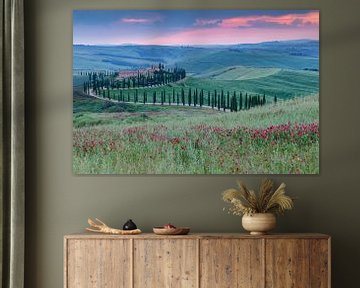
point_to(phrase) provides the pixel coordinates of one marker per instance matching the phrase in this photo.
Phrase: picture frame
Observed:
(154, 100)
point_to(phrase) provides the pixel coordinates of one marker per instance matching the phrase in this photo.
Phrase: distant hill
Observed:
(299, 54)
(308, 48)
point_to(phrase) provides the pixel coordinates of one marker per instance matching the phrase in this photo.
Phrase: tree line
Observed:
(136, 79)
(217, 99)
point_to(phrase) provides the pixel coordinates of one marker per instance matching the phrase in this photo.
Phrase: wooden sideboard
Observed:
(197, 260)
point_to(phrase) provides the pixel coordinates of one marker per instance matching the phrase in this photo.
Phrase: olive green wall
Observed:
(59, 202)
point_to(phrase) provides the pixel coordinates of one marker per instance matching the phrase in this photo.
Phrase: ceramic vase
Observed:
(259, 223)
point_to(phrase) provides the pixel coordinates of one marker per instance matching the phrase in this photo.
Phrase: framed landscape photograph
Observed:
(196, 92)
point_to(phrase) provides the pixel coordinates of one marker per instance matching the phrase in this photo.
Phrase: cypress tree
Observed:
(177, 98)
(209, 100)
(235, 102)
(154, 97)
(240, 102)
(224, 103)
(264, 100)
(275, 99)
(189, 97)
(94, 79)
(200, 98)
(215, 99)
(222, 99)
(183, 96)
(246, 101)
(195, 97)
(228, 99)
(219, 100)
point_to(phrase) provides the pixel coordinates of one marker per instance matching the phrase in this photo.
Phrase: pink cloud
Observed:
(135, 20)
(311, 18)
(145, 20)
(205, 22)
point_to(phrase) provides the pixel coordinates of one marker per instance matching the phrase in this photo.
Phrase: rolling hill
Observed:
(286, 54)
(283, 68)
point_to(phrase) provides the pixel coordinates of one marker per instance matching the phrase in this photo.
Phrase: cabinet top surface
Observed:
(87, 235)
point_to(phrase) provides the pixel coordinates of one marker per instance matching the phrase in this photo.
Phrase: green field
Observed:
(284, 83)
(279, 138)
(240, 73)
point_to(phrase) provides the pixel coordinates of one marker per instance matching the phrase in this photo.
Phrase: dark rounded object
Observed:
(129, 225)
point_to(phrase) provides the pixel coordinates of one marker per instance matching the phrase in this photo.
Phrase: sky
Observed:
(192, 27)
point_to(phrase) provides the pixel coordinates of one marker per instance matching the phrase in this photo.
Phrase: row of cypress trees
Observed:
(234, 101)
(160, 76)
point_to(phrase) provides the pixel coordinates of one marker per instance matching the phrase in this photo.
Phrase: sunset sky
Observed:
(192, 27)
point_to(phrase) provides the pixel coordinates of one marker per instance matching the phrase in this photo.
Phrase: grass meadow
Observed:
(121, 138)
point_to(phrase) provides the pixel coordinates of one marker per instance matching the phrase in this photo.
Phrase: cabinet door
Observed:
(320, 263)
(165, 263)
(287, 263)
(98, 263)
(231, 263)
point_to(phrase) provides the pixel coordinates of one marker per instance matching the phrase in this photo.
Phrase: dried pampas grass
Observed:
(245, 201)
